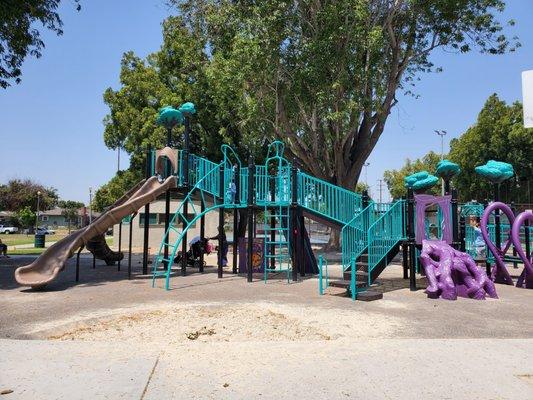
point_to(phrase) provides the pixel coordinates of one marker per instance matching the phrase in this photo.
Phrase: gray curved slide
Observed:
(46, 268)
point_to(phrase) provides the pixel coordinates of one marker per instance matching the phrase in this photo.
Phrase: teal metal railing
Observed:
(324, 198)
(323, 274)
(385, 233)
(354, 235)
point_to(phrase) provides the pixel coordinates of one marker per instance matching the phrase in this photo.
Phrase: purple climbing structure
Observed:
(451, 273)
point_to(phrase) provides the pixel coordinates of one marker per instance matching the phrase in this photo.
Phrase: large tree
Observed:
(18, 194)
(498, 134)
(20, 35)
(70, 210)
(323, 75)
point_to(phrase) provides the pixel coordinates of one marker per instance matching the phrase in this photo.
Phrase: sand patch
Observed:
(223, 322)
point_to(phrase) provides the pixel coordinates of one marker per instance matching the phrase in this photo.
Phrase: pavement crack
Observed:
(150, 376)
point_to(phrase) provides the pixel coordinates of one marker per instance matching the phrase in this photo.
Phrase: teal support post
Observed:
(221, 235)
(146, 214)
(295, 234)
(353, 284)
(411, 238)
(237, 176)
(251, 199)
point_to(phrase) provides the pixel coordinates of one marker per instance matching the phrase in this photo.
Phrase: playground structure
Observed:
(277, 196)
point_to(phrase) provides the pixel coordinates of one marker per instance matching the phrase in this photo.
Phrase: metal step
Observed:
(360, 276)
(345, 284)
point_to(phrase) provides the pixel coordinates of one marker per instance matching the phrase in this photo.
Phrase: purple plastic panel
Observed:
(527, 274)
(423, 201)
(499, 273)
(451, 273)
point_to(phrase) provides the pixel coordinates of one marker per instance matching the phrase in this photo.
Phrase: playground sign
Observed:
(527, 94)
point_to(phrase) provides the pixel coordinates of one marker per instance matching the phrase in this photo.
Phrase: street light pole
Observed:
(441, 134)
(366, 175)
(37, 215)
(90, 205)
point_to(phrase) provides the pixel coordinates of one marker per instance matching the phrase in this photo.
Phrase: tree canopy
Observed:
(20, 35)
(395, 178)
(498, 134)
(18, 194)
(322, 76)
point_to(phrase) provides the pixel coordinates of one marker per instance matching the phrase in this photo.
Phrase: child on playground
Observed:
(479, 242)
(3, 249)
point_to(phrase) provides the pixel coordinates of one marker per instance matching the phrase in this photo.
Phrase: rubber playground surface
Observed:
(109, 337)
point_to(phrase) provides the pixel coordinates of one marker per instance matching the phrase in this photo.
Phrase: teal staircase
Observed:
(369, 243)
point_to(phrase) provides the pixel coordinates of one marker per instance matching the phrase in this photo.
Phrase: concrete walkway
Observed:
(363, 369)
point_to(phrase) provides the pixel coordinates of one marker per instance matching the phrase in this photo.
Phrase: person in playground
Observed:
(479, 243)
(224, 243)
(3, 249)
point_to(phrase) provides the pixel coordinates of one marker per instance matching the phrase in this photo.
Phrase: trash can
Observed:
(39, 240)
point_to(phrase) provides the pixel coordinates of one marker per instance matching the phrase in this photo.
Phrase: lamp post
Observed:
(90, 205)
(37, 214)
(366, 175)
(441, 134)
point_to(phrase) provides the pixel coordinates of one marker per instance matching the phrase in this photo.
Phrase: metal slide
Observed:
(46, 268)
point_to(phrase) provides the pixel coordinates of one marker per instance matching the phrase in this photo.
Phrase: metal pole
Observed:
(236, 216)
(148, 174)
(94, 262)
(129, 245)
(272, 183)
(202, 233)
(411, 238)
(296, 230)
(250, 201)
(78, 264)
(184, 240)
(167, 200)
(90, 205)
(37, 214)
(455, 226)
(119, 242)
(221, 243)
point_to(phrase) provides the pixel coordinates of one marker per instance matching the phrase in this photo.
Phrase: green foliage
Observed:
(18, 194)
(115, 188)
(70, 211)
(395, 178)
(321, 75)
(19, 33)
(26, 217)
(498, 134)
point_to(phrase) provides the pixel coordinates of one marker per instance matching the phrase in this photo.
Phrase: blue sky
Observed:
(51, 124)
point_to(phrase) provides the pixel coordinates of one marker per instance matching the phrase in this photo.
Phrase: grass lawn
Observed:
(20, 238)
(25, 252)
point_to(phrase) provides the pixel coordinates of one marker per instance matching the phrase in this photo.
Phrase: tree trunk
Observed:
(334, 241)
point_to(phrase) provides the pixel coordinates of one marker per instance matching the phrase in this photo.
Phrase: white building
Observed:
(156, 222)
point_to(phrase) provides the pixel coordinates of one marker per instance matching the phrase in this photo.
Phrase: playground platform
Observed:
(109, 337)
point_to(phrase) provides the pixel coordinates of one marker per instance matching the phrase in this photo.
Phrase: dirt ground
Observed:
(106, 306)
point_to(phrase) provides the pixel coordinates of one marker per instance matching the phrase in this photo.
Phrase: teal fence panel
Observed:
(325, 199)
(385, 232)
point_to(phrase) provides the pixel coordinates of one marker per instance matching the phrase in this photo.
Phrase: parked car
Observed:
(45, 231)
(8, 229)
